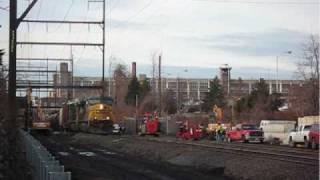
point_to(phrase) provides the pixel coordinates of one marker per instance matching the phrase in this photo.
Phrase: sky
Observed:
(194, 35)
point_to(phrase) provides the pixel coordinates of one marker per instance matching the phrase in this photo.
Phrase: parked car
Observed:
(117, 129)
(245, 133)
(300, 135)
(314, 136)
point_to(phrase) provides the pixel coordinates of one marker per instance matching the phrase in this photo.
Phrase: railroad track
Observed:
(296, 157)
(285, 154)
(275, 148)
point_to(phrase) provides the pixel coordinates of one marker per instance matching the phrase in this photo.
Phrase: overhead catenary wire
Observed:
(4, 8)
(127, 20)
(138, 12)
(262, 2)
(64, 18)
(65, 15)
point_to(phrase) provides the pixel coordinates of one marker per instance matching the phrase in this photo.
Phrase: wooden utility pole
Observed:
(177, 94)
(159, 87)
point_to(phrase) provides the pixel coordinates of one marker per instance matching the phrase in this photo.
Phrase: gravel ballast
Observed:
(209, 160)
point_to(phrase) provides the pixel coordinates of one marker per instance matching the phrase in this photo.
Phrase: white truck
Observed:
(277, 131)
(300, 135)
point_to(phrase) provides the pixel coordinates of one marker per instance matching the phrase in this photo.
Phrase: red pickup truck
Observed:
(245, 133)
(314, 136)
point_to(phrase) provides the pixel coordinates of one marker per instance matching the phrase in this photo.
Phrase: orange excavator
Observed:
(213, 122)
(39, 120)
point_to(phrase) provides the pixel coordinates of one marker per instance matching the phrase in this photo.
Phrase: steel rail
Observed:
(269, 147)
(300, 159)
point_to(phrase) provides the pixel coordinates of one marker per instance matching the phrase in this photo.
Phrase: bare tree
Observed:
(305, 98)
(154, 76)
(169, 102)
(5, 134)
(300, 99)
(121, 79)
(309, 67)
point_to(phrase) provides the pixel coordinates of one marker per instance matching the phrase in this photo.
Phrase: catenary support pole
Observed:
(12, 62)
(103, 42)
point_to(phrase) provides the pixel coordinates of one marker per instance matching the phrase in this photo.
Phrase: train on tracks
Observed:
(93, 115)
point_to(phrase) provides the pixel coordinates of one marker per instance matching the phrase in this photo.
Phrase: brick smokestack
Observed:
(134, 69)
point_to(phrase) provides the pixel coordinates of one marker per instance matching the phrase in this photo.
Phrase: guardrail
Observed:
(43, 164)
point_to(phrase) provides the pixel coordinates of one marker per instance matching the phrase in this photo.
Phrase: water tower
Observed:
(225, 77)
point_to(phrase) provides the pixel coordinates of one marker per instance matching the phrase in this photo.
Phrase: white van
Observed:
(277, 131)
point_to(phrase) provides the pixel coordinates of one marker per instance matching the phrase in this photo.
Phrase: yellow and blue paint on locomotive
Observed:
(94, 115)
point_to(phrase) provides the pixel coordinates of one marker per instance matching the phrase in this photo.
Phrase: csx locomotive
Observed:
(92, 115)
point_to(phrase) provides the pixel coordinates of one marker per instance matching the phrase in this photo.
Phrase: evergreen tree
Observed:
(214, 96)
(134, 90)
(259, 97)
(260, 91)
(275, 102)
(145, 88)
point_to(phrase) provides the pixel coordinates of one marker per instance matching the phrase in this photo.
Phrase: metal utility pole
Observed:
(228, 81)
(14, 24)
(277, 70)
(177, 88)
(103, 26)
(103, 42)
(277, 81)
(159, 87)
(72, 67)
(153, 83)
(12, 62)
(10, 123)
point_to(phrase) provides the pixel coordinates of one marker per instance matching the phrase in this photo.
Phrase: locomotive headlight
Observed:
(101, 106)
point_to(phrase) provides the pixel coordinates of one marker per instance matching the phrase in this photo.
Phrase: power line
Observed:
(39, 11)
(4, 8)
(65, 15)
(138, 12)
(262, 2)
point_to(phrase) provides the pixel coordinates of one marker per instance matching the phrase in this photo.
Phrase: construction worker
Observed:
(222, 133)
(218, 134)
